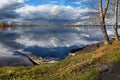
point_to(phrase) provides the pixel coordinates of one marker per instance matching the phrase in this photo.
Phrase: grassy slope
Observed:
(78, 67)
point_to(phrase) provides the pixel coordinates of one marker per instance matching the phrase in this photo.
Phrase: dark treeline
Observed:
(13, 25)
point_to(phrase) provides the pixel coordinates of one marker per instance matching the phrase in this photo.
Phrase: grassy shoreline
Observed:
(79, 67)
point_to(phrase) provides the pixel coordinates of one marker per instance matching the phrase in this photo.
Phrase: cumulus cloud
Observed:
(8, 7)
(55, 14)
(18, 11)
(79, 2)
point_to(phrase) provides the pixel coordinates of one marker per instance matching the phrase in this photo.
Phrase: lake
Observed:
(47, 42)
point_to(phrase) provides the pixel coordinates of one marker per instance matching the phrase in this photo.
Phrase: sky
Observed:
(47, 11)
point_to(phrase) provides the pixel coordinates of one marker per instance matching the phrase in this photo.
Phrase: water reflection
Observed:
(47, 42)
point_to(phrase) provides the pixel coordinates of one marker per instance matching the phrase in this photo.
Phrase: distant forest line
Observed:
(4, 25)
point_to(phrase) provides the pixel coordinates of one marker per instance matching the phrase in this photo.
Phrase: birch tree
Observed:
(116, 20)
(102, 15)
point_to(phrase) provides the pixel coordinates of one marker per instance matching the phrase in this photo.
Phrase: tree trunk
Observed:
(116, 20)
(102, 20)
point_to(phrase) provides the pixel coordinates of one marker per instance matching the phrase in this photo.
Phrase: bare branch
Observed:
(106, 7)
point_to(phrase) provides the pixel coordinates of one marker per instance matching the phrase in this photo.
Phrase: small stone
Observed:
(71, 54)
(103, 68)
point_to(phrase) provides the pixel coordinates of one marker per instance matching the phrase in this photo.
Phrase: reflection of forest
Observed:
(3, 25)
(13, 25)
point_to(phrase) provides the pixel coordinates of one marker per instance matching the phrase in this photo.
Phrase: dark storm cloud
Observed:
(7, 11)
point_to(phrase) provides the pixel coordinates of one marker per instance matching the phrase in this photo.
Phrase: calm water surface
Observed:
(47, 42)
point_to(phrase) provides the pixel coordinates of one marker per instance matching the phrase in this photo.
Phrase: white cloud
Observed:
(54, 12)
(10, 1)
(20, 1)
(18, 11)
(79, 2)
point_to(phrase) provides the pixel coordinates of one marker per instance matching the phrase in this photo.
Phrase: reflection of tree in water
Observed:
(3, 25)
(14, 25)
